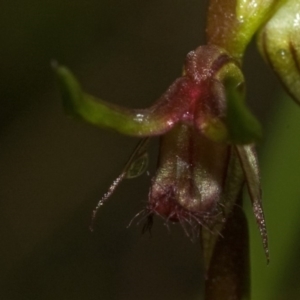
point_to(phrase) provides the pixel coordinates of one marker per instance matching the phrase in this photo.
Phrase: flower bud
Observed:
(279, 43)
(232, 23)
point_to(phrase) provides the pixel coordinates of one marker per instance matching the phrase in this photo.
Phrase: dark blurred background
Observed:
(54, 169)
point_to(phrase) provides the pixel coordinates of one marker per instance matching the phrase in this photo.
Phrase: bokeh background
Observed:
(54, 169)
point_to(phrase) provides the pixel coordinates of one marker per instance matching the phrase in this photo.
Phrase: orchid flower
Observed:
(207, 134)
(206, 151)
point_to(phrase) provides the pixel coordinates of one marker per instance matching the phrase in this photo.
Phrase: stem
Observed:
(228, 277)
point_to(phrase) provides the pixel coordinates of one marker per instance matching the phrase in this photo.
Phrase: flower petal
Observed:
(250, 167)
(243, 127)
(135, 166)
(156, 120)
(190, 174)
(138, 161)
(221, 113)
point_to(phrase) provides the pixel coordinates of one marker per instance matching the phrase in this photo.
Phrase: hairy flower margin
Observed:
(207, 134)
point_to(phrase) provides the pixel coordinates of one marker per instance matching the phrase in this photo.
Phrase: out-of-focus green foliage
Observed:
(281, 194)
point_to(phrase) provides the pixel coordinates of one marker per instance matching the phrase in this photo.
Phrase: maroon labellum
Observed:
(189, 181)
